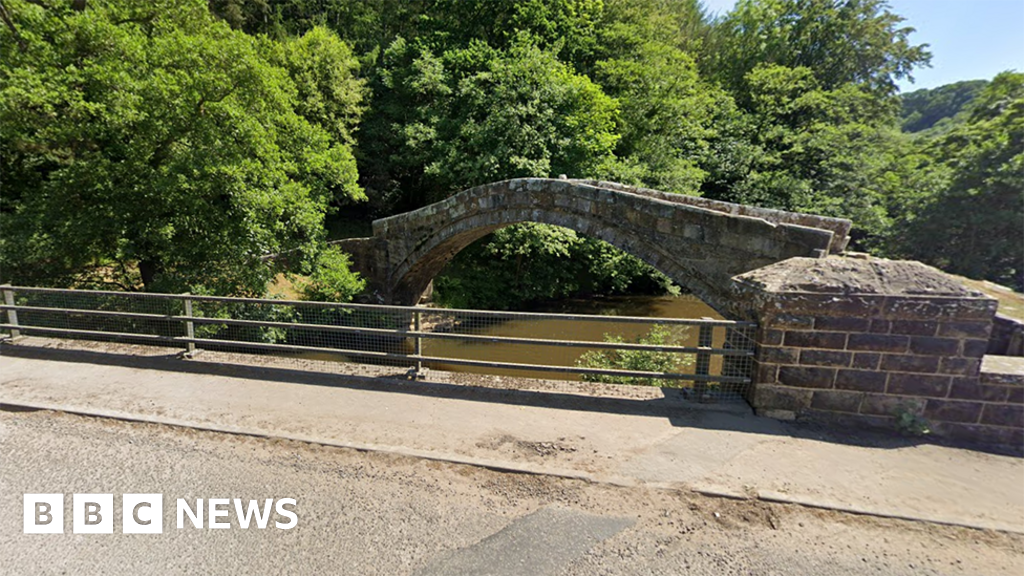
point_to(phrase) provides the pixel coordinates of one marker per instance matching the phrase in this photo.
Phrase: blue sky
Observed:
(969, 39)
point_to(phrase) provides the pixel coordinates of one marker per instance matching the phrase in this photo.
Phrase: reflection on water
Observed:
(642, 306)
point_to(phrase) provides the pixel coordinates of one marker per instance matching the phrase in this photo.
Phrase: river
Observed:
(685, 306)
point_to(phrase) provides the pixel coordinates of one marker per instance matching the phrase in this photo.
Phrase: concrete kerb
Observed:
(705, 490)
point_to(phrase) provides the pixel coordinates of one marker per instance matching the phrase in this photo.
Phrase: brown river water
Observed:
(685, 306)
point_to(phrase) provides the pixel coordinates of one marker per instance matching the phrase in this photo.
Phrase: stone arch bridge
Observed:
(698, 243)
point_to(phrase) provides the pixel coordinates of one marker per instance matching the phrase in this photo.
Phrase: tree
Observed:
(147, 145)
(974, 225)
(804, 148)
(443, 123)
(528, 263)
(939, 107)
(842, 41)
(665, 119)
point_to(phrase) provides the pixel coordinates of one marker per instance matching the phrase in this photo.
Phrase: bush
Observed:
(639, 360)
(332, 280)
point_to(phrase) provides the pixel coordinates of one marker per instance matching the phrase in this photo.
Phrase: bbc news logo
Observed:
(144, 513)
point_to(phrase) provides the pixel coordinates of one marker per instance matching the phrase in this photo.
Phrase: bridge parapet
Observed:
(840, 227)
(876, 342)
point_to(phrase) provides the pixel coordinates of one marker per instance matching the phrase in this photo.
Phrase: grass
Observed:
(1011, 303)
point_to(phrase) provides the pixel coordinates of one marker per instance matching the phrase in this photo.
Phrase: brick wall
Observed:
(870, 358)
(1007, 337)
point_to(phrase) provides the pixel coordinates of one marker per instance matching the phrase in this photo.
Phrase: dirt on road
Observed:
(373, 513)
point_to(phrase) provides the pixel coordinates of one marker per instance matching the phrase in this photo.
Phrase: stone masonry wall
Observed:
(1007, 337)
(870, 354)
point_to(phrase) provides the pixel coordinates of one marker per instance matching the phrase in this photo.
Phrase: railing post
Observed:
(418, 343)
(12, 315)
(190, 331)
(703, 366)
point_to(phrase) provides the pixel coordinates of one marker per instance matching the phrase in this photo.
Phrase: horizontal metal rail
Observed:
(408, 327)
(94, 333)
(468, 362)
(110, 313)
(392, 332)
(405, 309)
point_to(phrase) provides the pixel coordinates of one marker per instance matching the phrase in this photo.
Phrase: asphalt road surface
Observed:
(371, 513)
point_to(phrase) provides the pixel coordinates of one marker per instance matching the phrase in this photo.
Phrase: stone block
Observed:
(959, 309)
(770, 337)
(918, 385)
(878, 343)
(778, 355)
(836, 400)
(842, 324)
(781, 398)
(934, 346)
(880, 326)
(1003, 415)
(974, 348)
(861, 380)
(910, 363)
(830, 304)
(971, 389)
(806, 377)
(787, 415)
(981, 434)
(965, 329)
(1015, 395)
(846, 420)
(792, 322)
(953, 411)
(829, 340)
(960, 366)
(836, 358)
(914, 327)
(765, 373)
(886, 405)
(866, 360)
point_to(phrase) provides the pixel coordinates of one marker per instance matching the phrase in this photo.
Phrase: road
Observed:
(374, 513)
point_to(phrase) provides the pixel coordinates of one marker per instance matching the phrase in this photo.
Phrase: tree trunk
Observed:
(148, 269)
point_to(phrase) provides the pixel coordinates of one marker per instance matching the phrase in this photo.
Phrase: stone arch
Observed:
(698, 243)
(413, 275)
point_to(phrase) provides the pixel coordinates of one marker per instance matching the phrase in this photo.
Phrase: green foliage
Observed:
(324, 70)
(910, 422)
(974, 224)
(807, 148)
(852, 41)
(666, 117)
(146, 144)
(331, 280)
(527, 263)
(638, 360)
(172, 144)
(476, 115)
(940, 108)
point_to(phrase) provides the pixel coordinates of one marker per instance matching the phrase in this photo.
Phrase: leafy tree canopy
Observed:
(974, 225)
(843, 41)
(147, 144)
(938, 107)
(447, 122)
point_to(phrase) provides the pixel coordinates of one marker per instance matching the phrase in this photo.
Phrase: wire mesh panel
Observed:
(709, 360)
(98, 315)
(311, 330)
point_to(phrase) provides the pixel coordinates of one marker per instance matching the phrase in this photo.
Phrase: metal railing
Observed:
(709, 359)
